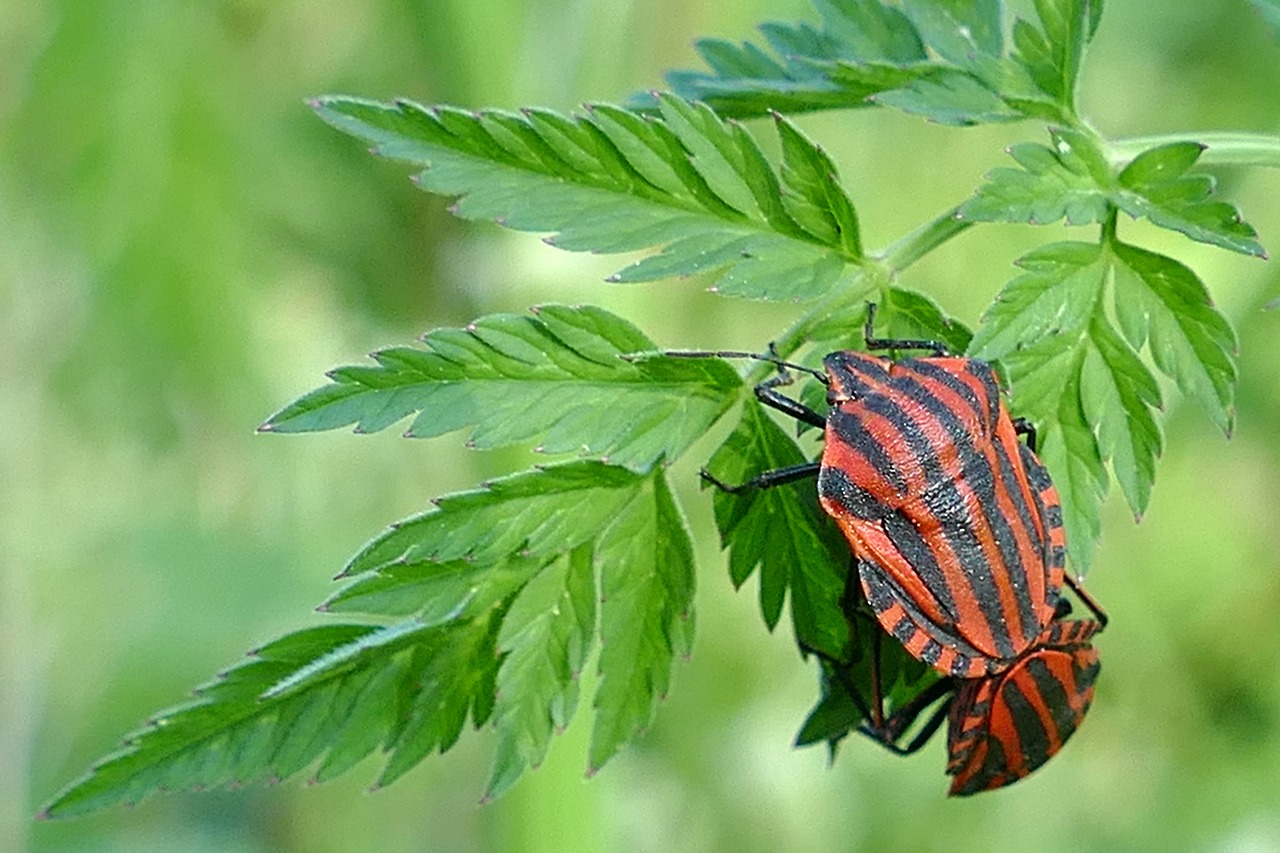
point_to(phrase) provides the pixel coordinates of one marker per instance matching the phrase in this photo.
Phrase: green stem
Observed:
(908, 249)
(1222, 149)
(875, 272)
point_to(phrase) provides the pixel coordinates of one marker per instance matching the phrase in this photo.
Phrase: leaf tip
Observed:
(266, 426)
(613, 279)
(315, 103)
(43, 814)
(322, 608)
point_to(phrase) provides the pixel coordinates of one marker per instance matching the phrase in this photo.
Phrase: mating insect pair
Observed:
(957, 538)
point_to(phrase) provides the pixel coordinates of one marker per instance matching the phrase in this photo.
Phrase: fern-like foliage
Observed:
(614, 181)
(556, 378)
(946, 61)
(487, 606)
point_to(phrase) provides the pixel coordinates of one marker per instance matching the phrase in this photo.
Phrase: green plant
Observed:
(488, 605)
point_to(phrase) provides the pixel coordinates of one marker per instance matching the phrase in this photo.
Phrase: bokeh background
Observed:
(184, 248)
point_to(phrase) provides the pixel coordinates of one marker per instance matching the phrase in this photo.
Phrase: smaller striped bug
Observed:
(955, 524)
(1001, 727)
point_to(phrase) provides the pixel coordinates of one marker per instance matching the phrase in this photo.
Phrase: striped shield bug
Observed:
(955, 524)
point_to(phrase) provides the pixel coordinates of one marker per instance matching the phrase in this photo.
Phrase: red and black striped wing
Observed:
(1003, 727)
(960, 554)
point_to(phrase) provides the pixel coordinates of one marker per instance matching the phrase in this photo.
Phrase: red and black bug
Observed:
(954, 522)
(1000, 727)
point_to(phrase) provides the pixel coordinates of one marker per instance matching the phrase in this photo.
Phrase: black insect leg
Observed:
(937, 347)
(896, 725)
(887, 730)
(767, 480)
(1086, 598)
(1022, 426)
(767, 393)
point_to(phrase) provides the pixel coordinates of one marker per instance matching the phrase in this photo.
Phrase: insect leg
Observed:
(897, 724)
(1022, 426)
(767, 480)
(873, 342)
(1086, 598)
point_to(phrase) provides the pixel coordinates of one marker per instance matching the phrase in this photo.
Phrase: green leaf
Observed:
(784, 532)
(812, 192)
(960, 30)
(1073, 180)
(1155, 186)
(1086, 386)
(532, 513)
(868, 53)
(950, 96)
(901, 677)
(645, 561)
(612, 181)
(546, 639)
(453, 677)
(1057, 294)
(556, 378)
(910, 315)
(746, 80)
(1164, 304)
(1117, 393)
(435, 592)
(1069, 180)
(1052, 54)
(238, 731)
(1069, 448)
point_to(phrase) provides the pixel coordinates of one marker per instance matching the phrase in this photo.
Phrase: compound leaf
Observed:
(945, 60)
(784, 532)
(1072, 180)
(240, 729)
(612, 181)
(1066, 181)
(546, 639)
(557, 378)
(645, 562)
(531, 513)
(1155, 185)
(1085, 384)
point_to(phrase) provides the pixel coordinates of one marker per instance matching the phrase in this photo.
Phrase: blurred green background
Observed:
(184, 248)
